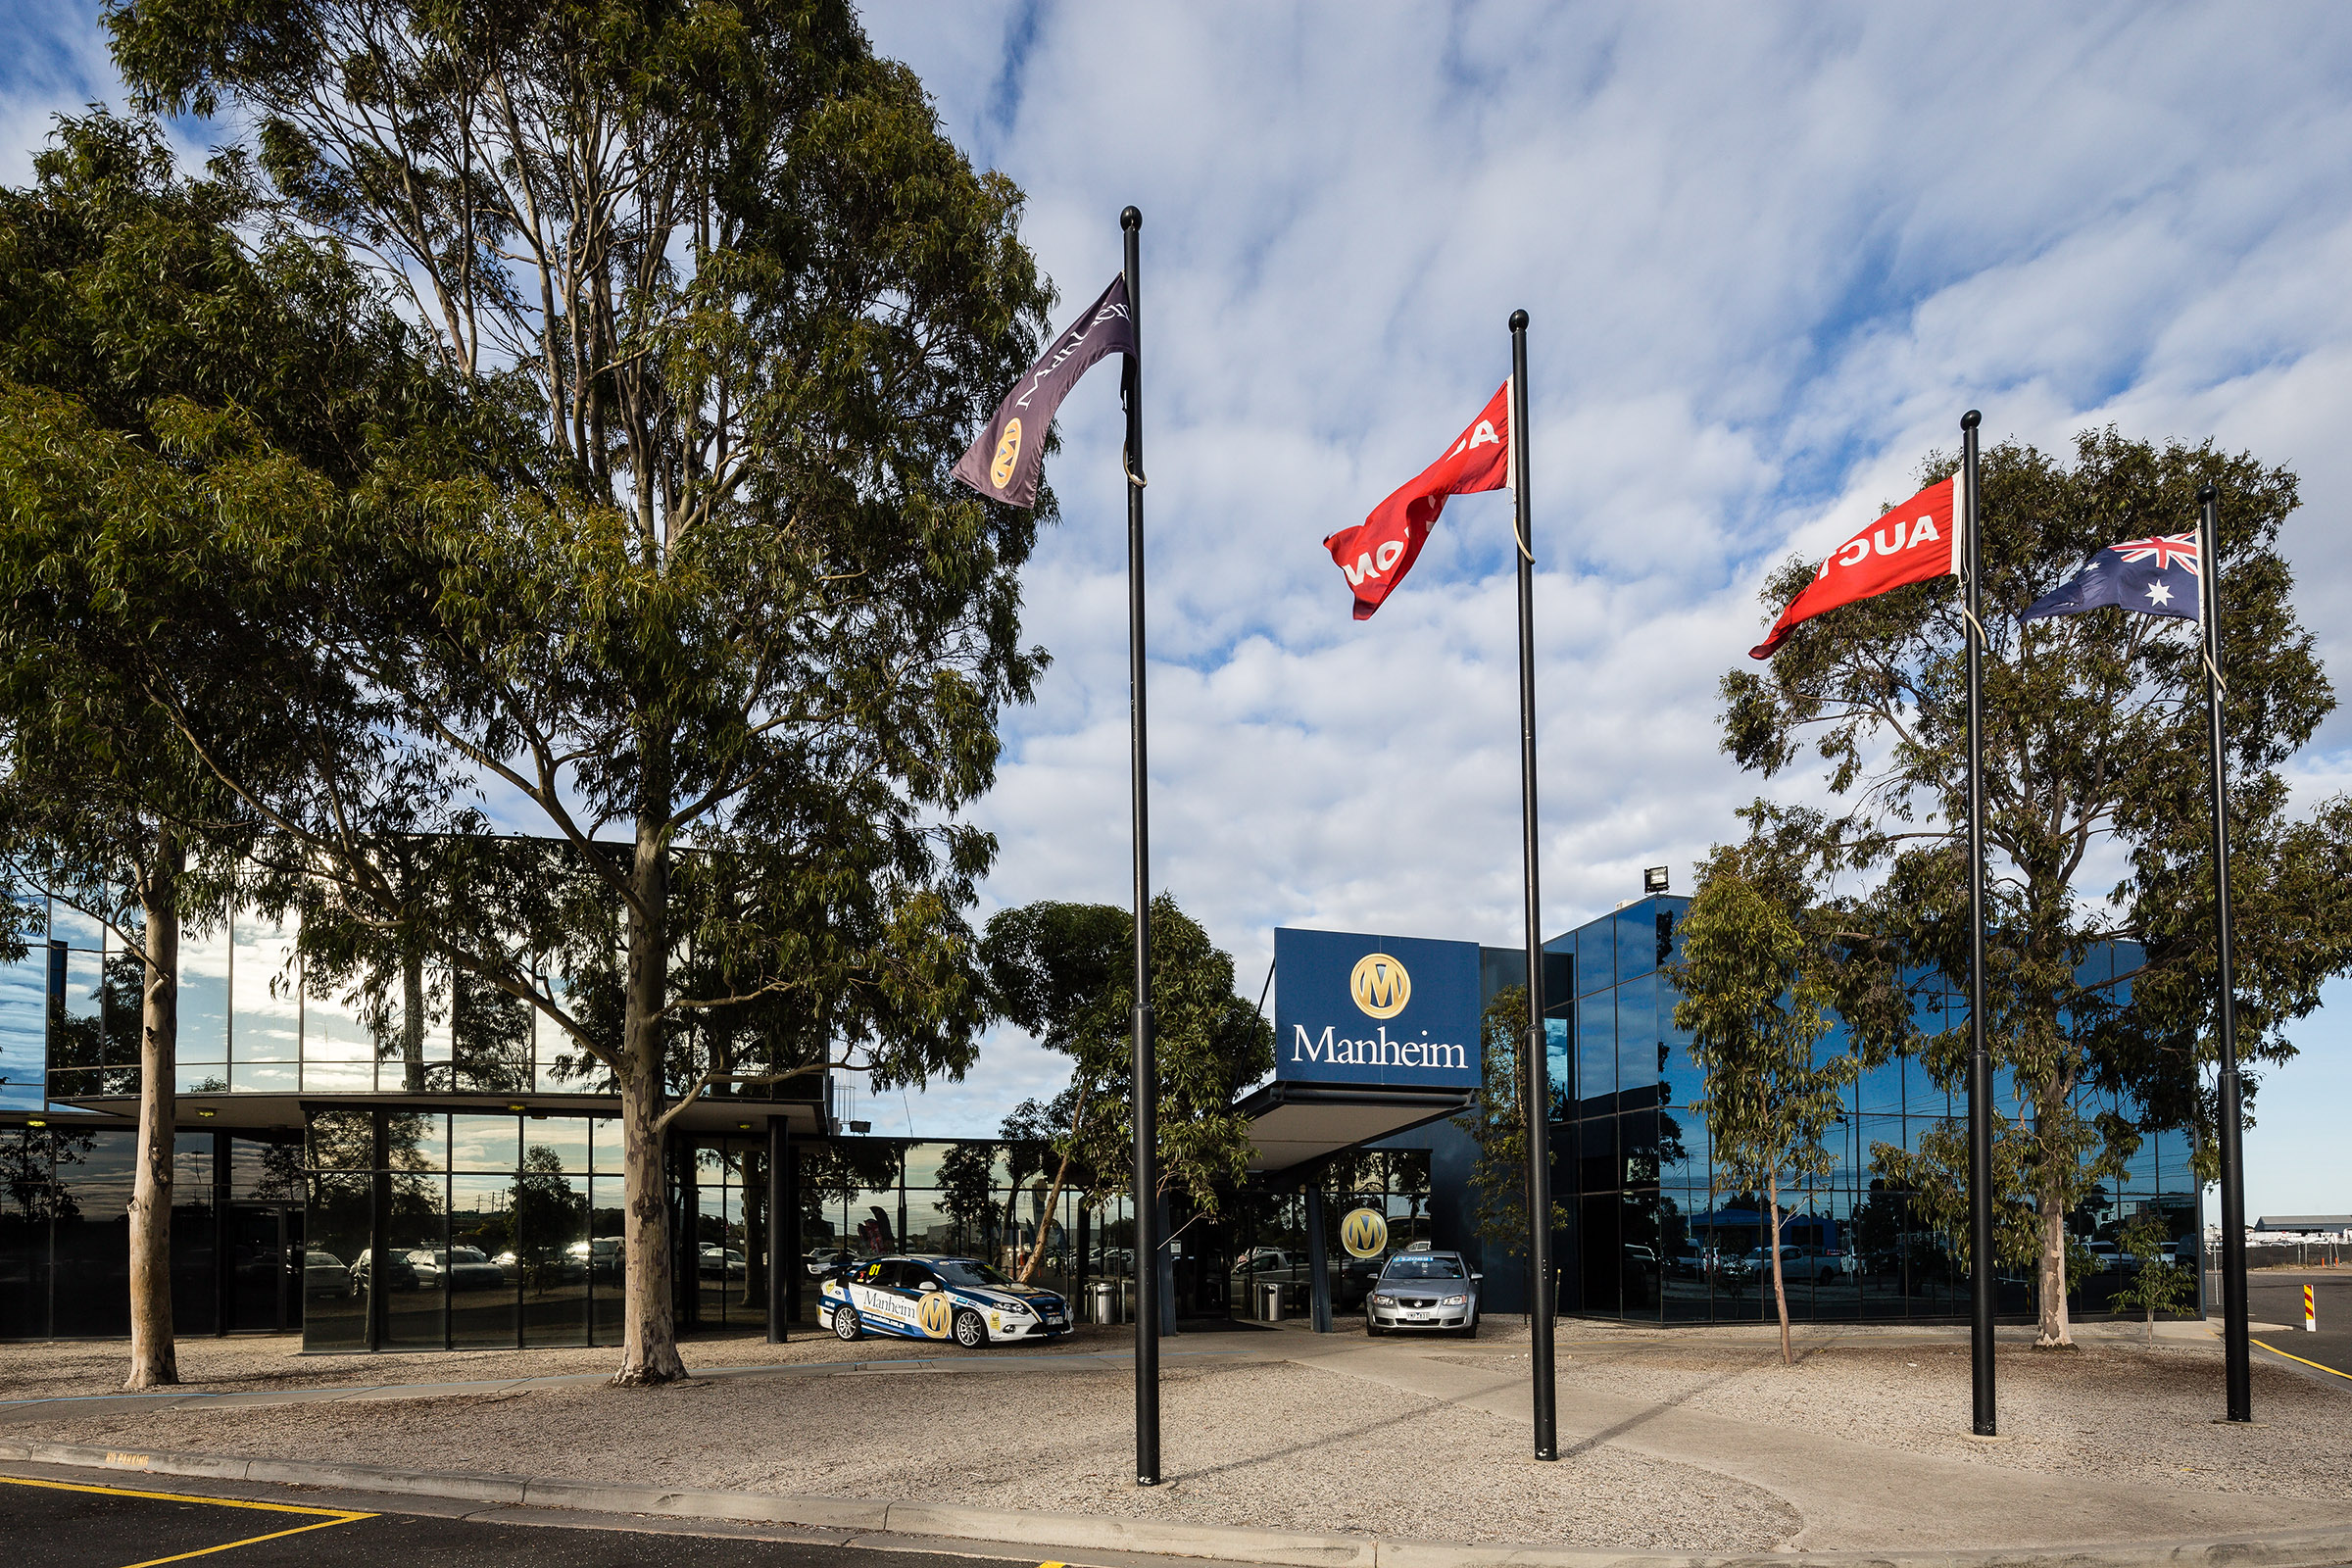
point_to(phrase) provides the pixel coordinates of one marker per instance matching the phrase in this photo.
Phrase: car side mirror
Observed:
(1477, 1277)
(929, 1286)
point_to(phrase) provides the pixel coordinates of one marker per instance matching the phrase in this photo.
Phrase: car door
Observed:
(887, 1296)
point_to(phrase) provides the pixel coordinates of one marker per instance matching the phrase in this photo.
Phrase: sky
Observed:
(1770, 254)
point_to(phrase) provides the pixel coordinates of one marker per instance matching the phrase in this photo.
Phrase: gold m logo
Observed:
(1009, 453)
(936, 1316)
(1364, 1233)
(1379, 986)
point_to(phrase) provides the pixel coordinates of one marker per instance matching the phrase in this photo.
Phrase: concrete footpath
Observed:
(1855, 1500)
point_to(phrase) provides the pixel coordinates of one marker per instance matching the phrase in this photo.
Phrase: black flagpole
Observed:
(1982, 1275)
(1144, 1065)
(1534, 1057)
(2235, 1352)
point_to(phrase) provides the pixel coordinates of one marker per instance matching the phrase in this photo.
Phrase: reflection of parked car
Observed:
(599, 1255)
(466, 1269)
(2105, 1255)
(323, 1274)
(1796, 1263)
(821, 1261)
(400, 1274)
(722, 1263)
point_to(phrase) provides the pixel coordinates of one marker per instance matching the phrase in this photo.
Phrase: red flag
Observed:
(1378, 550)
(1915, 542)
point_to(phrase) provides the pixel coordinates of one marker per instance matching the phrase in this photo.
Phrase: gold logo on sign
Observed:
(936, 1316)
(1009, 453)
(1364, 1233)
(1379, 986)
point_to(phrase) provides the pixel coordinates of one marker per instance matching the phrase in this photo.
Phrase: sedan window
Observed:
(1423, 1267)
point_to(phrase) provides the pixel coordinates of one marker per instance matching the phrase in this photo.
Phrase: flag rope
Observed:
(2219, 684)
(1968, 615)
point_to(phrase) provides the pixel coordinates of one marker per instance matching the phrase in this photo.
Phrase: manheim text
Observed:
(1380, 1052)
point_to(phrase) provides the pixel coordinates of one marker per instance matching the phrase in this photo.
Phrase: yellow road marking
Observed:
(2330, 1371)
(330, 1517)
(251, 1541)
(339, 1515)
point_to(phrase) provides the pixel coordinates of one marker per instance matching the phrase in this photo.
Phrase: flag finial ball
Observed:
(2208, 491)
(1518, 320)
(1970, 419)
(1130, 218)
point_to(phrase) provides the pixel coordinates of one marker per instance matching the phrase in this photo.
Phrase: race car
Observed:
(935, 1298)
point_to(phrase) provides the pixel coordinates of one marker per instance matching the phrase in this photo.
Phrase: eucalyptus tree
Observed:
(2095, 780)
(731, 305)
(1059, 971)
(1756, 1003)
(176, 372)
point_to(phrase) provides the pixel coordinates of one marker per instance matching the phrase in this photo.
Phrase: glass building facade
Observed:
(1656, 1237)
(457, 1184)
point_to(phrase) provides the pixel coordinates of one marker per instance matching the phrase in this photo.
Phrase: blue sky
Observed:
(1770, 251)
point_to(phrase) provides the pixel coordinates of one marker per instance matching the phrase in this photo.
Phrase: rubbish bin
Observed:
(1269, 1300)
(1105, 1298)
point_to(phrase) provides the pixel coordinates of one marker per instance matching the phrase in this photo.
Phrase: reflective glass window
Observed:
(266, 1016)
(24, 1020)
(204, 995)
(485, 1141)
(1636, 939)
(483, 1275)
(1596, 1053)
(1638, 1039)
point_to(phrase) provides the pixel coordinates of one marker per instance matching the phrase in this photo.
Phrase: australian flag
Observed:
(2156, 576)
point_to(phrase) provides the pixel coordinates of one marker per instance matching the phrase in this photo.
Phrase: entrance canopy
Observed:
(1291, 1123)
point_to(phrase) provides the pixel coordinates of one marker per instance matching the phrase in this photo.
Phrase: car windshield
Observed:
(1423, 1267)
(467, 1254)
(966, 1271)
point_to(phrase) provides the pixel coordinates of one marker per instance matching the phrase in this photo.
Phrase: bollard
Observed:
(2311, 1315)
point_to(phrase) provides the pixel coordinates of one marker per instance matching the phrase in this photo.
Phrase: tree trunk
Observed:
(153, 1357)
(1053, 1197)
(648, 1329)
(2151, 1323)
(2051, 1274)
(412, 1023)
(1054, 1193)
(1779, 1289)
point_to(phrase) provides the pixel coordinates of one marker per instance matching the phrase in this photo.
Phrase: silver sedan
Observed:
(1424, 1292)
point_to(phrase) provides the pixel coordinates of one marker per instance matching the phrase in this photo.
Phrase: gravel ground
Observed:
(2117, 1410)
(1267, 1444)
(254, 1363)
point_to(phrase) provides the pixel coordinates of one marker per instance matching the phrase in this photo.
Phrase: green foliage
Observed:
(2094, 754)
(1063, 973)
(1498, 1122)
(2158, 1284)
(716, 305)
(1755, 1004)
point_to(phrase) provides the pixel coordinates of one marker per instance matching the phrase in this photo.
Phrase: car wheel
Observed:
(1373, 1330)
(971, 1331)
(1470, 1330)
(844, 1323)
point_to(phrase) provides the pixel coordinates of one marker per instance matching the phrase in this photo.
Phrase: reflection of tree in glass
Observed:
(548, 1213)
(491, 1038)
(832, 1174)
(968, 1194)
(342, 1140)
(28, 1166)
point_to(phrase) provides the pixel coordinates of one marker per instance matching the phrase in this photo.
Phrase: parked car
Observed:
(722, 1263)
(323, 1274)
(822, 1261)
(599, 1255)
(933, 1296)
(1424, 1293)
(2106, 1255)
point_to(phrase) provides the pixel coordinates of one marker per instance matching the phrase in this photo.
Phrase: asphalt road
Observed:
(2277, 1296)
(85, 1525)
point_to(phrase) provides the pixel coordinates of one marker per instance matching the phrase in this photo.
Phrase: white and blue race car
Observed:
(928, 1297)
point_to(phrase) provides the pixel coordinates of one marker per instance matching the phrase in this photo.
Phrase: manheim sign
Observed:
(1351, 1009)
